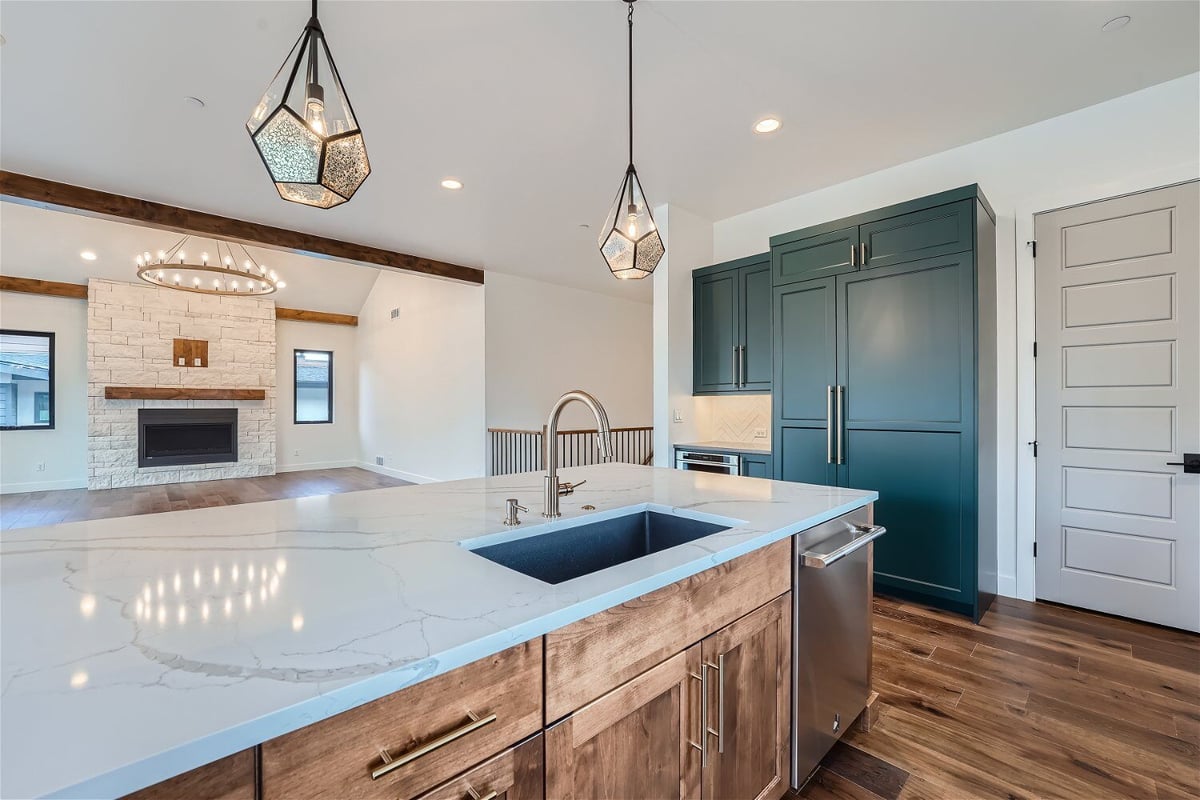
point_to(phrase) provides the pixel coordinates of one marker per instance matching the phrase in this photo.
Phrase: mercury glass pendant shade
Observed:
(305, 130)
(630, 242)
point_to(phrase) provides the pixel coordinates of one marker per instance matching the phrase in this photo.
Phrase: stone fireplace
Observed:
(131, 329)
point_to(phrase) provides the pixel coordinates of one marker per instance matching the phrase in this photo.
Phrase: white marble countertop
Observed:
(732, 447)
(137, 648)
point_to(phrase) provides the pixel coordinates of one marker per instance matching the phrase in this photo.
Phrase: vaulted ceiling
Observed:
(524, 102)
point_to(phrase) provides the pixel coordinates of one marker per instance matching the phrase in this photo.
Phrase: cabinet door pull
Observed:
(742, 364)
(720, 668)
(736, 372)
(841, 423)
(829, 424)
(703, 745)
(862, 254)
(473, 724)
(853, 248)
(474, 795)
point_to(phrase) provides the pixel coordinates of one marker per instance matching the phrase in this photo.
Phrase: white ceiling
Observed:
(524, 101)
(45, 244)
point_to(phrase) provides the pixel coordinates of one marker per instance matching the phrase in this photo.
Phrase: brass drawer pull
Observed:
(474, 795)
(390, 763)
(703, 745)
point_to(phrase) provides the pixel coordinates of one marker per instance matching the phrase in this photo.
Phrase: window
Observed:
(26, 380)
(314, 386)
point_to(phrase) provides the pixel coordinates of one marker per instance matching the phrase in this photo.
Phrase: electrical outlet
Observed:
(760, 433)
(41, 466)
(379, 461)
(676, 416)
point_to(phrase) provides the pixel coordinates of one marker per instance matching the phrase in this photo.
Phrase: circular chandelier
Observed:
(305, 129)
(227, 270)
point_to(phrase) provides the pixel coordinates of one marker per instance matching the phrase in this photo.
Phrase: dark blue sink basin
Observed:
(564, 553)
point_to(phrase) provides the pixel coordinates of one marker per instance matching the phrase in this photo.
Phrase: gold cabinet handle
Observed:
(721, 703)
(389, 763)
(703, 745)
(474, 795)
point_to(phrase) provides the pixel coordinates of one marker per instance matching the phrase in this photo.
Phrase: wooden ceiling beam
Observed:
(41, 192)
(35, 286)
(303, 315)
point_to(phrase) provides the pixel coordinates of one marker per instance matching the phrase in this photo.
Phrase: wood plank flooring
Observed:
(30, 509)
(1038, 701)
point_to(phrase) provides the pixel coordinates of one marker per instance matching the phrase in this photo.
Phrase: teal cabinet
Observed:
(876, 365)
(731, 321)
(807, 254)
(756, 465)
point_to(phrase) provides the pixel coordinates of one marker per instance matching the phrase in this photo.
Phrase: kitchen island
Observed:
(136, 649)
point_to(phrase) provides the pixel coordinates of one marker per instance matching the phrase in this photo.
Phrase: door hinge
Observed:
(1034, 444)
(1032, 247)
(1035, 549)
(1035, 349)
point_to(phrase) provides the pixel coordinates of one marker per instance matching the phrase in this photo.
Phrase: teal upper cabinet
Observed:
(731, 318)
(814, 255)
(921, 234)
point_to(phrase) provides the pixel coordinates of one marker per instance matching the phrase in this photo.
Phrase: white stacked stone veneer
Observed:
(130, 333)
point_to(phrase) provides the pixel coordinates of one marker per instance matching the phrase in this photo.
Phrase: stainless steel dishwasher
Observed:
(831, 635)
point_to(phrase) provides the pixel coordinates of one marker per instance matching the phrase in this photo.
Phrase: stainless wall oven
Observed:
(721, 463)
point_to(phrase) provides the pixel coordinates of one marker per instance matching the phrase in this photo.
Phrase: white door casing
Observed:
(1118, 396)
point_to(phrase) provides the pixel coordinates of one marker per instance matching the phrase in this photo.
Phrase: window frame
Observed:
(49, 337)
(296, 388)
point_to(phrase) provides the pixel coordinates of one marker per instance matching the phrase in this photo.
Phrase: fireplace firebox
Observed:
(173, 436)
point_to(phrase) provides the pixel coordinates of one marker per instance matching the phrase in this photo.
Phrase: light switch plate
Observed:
(676, 416)
(760, 433)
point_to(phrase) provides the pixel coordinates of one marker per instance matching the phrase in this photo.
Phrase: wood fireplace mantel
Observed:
(181, 393)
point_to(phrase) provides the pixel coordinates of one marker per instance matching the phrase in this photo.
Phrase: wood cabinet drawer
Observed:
(337, 757)
(588, 658)
(515, 774)
(230, 778)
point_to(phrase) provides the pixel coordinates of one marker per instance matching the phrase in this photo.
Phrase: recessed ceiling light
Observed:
(88, 255)
(1115, 24)
(767, 125)
(452, 183)
(194, 102)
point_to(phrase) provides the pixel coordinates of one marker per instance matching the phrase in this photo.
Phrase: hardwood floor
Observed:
(29, 509)
(1038, 701)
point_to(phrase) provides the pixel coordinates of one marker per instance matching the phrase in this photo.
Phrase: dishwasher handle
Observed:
(860, 536)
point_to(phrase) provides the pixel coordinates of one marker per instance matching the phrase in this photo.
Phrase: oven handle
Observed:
(729, 464)
(866, 533)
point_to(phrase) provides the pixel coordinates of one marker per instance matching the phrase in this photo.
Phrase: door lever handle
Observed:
(1190, 463)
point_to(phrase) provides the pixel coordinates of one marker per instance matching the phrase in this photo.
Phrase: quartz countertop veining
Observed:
(730, 447)
(137, 648)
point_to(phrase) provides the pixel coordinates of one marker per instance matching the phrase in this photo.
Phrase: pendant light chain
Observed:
(630, 82)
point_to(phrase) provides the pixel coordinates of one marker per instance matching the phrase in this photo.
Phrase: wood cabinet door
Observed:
(805, 374)
(755, 290)
(821, 255)
(756, 466)
(748, 681)
(715, 332)
(639, 740)
(920, 234)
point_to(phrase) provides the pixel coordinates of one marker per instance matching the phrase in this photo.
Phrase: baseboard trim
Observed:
(43, 486)
(412, 477)
(316, 465)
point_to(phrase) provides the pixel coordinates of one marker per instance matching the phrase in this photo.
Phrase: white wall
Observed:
(64, 449)
(543, 340)
(688, 239)
(421, 378)
(317, 446)
(1142, 140)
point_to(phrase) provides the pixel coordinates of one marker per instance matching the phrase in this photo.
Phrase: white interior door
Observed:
(1118, 397)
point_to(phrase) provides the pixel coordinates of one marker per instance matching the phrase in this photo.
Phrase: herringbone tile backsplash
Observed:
(734, 419)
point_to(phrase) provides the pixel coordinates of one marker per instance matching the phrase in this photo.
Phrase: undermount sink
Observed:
(563, 552)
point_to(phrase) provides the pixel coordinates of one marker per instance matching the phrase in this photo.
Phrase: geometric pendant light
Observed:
(629, 241)
(304, 127)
